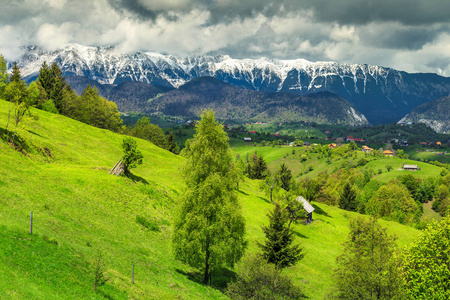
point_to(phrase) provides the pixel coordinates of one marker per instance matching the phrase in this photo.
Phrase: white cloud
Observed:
(276, 30)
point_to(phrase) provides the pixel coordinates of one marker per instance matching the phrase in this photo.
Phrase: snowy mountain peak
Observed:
(382, 94)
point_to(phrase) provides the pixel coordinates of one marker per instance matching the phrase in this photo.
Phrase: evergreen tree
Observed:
(58, 86)
(368, 267)
(285, 176)
(278, 248)
(209, 228)
(15, 74)
(53, 83)
(171, 144)
(347, 199)
(257, 167)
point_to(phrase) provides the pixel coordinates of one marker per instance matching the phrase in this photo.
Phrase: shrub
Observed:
(257, 279)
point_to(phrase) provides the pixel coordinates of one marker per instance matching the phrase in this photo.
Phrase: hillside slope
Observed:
(435, 114)
(80, 211)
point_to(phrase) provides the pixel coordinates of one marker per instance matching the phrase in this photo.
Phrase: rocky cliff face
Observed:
(435, 114)
(383, 95)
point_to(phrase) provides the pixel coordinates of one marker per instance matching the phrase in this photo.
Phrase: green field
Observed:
(79, 211)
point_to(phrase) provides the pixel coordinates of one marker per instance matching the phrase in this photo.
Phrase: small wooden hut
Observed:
(308, 207)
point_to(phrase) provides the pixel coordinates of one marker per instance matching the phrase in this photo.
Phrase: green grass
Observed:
(435, 155)
(79, 211)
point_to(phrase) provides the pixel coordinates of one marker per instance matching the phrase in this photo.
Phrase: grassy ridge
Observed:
(79, 211)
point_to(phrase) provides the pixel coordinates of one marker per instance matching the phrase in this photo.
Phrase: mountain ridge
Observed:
(232, 103)
(383, 95)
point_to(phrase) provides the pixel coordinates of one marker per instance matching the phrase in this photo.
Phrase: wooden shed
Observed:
(308, 207)
(411, 167)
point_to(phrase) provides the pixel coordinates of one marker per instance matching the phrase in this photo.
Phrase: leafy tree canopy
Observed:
(209, 228)
(132, 157)
(426, 263)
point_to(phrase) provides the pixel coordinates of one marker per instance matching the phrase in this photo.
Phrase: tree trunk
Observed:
(207, 275)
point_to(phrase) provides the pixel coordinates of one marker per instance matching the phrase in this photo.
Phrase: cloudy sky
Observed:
(410, 35)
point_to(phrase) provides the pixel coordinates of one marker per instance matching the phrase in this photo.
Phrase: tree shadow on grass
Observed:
(320, 211)
(220, 279)
(264, 199)
(301, 235)
(242, 192)
(136, 178)
(32, 132)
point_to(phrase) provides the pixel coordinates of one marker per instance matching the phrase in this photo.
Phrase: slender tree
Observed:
(131, 155)
(278, 248)
(209, 228)
(368, 267)
(4, 76)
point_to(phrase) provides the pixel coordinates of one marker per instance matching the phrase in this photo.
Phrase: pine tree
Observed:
(257, 167)
(53, 83)
(15, 74)
(347, 199)
(58, 86)
(171, 144)
(278, 248)
(209, 228)
(284, 175)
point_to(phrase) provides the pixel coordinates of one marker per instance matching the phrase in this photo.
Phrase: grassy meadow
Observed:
(80, 212)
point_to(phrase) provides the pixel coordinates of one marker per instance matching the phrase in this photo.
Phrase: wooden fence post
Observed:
(132, 276)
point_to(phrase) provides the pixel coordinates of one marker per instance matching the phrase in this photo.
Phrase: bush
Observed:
(257, 279)
(48, 106)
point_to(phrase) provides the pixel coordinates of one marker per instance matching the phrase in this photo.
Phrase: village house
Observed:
(247, 139)
(366, 149)
(388, 153)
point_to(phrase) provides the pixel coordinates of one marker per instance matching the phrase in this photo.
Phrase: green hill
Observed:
(79, 211)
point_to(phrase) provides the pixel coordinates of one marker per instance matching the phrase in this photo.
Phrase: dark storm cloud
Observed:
(412, 38)
(411, 35)
(410, 12)
(358, 12)
(220, 10)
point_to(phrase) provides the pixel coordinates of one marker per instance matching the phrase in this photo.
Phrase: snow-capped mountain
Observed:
(382, 94)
